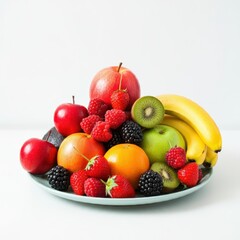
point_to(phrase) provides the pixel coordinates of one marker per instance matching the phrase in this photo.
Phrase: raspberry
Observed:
(101, 131)
(98, 107)
(120, 99)
(115, 117)
(94, 187)
(77, 180)
(88, 123)
(176, 157)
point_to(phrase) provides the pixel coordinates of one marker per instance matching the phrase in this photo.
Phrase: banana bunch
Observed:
(202, 135)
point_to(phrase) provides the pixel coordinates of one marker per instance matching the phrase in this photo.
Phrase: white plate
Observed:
(41, 181)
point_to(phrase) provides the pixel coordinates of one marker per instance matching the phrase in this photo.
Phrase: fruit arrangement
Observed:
(122, 144)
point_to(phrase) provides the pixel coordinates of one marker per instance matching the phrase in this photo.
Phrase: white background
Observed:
(51, 49)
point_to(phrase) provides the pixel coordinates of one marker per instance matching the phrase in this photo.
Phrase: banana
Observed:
(211, 158)
(196, 148)
(195, 116)
(200, 160)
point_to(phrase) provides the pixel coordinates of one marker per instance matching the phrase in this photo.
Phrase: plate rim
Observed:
(42, 182)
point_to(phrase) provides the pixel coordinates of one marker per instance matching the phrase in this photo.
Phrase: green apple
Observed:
(159, 139)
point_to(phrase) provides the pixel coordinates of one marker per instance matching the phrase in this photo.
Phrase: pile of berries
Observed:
(110, 125)
(93, 181)
(188, 173)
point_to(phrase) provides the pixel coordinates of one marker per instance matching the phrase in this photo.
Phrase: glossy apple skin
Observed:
(106, 81)
(67, 118)
(38, 156)
(159, 139)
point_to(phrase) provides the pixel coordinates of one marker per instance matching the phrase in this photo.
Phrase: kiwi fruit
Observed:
(169, 176)
(147, 111)
(54, 137)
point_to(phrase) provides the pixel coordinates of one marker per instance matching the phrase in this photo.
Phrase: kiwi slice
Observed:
(169, 176)
(54, 137)
(147, 111)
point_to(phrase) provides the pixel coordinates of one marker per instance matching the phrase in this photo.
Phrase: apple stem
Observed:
(73, 99)
(80, 153)
(119, 66)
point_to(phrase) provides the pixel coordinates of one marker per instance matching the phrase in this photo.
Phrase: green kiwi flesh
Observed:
(169, 176)
(147, 111)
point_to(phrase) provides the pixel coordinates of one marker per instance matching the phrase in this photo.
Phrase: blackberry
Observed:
(150, 183)
(116, 139)
(131, 132)
(59, 178)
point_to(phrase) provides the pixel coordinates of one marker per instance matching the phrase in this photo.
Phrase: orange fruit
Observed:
(128, 160)
(74, 146)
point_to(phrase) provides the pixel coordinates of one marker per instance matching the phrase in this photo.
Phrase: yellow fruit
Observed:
(195, 116)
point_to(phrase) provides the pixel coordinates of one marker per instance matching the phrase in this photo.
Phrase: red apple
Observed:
(38, 156)
(107, 80)
(68, 116)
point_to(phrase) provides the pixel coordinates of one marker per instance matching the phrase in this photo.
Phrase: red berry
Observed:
(120, 99)
(77, 180)
(118, 186)
(98, 167)
(101, 131)
(176, 157)
(94, 187)
(89, 122)
(189, 174)
(115, 118)
(97, 107)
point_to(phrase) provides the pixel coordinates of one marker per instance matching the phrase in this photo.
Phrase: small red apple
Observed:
(38, 156)
(107, 80)
(68, 116)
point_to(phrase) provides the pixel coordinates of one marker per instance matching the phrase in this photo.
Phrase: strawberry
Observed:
(189, 174)
(77, 180)
(120, 99)
(118, 186)
(94, 187)
(98, 167)
(176, 157)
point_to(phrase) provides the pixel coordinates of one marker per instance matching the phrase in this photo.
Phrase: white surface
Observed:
(29, 212)
(51, 49)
